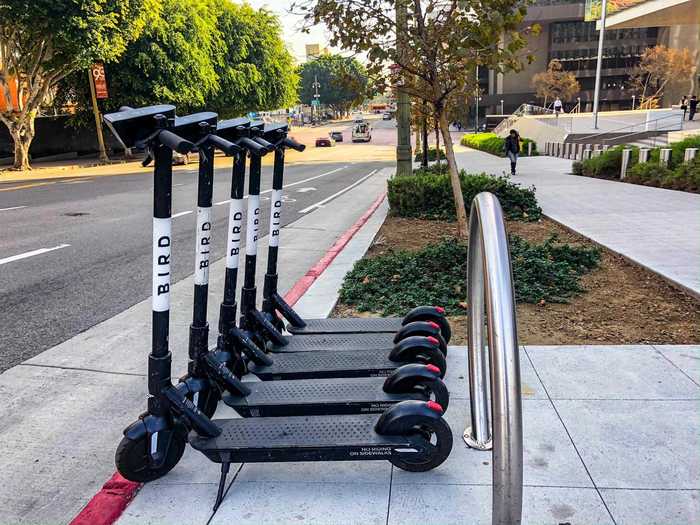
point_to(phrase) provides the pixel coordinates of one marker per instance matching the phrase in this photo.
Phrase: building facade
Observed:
(566, 36)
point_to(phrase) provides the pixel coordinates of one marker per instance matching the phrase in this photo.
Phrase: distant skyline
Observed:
(291, 24)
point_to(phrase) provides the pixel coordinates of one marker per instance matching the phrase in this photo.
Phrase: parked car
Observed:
(386, 116)
(337, 136)
(324, 142)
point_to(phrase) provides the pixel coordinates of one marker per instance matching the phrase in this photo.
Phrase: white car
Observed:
(362, 132)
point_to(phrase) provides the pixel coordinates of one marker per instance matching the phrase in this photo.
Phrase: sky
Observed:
(295, 39)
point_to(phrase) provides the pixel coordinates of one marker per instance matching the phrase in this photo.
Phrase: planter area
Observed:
(604, 299)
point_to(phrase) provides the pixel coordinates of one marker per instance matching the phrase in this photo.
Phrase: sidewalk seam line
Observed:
(571, 439)
(674, 364)
(38, 365)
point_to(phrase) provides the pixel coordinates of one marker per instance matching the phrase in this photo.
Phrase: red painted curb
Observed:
(303, 284)
(107, 505)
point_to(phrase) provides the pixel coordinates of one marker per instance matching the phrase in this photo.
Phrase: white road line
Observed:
(13, 208)
(181, 214)
(31, 254)
(289, 185)
(337, 194)
(76, 181)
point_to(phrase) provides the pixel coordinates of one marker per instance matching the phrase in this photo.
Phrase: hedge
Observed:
(427, 194)
(685, 177)
(492, 143)
(607, 165)
(432, 154)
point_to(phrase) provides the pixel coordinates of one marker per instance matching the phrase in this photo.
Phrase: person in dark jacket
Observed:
(693, 107)
(512, 147)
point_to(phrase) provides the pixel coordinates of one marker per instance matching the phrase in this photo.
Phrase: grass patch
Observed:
(396, 281)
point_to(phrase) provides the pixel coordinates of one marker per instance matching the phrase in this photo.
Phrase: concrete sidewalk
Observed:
(610, 437)
(653, 227)
(64, 410)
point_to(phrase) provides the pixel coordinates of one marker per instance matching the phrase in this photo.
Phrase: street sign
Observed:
(315, 102)
(98, 77)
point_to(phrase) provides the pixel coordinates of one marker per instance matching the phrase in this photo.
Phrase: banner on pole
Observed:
(594, 8)
(99, 79)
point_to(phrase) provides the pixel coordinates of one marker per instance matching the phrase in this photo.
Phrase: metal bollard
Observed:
(606, 147)
(546, 148)
(625, 162)
(579, 152)
(567, 154)
(586, 154)
(589, 147)
(664, 157)
(690, 154)
(595, 153)
(644, 155)
(529, 149)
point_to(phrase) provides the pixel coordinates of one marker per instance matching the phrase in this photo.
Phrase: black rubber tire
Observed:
(442, 343)
(131, 457)
(437, 454)
(433, 358)
(440, 393)
(208, 401)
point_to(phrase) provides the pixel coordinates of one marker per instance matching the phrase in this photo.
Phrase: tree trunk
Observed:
(22, 134)
(437, 141)
(460, 210)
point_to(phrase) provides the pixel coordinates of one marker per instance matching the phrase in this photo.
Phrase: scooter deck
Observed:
(348, 325)
(342, 341)
(362, 395)
(317, 365)
(298, 438)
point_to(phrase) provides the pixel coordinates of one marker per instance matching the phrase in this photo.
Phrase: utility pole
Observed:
(476, 113)
(98, 120)
(599, 65)
(404, 164)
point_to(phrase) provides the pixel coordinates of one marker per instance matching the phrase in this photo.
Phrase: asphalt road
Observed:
(74, 252)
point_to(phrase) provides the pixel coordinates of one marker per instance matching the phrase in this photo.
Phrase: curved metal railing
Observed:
(490, 291)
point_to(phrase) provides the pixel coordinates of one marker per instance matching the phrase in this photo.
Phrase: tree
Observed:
(200, 54)
(555, 82)
(173, 61)
(343, 81)
(660, 67)
(257, 71)
(436, 55)
(43, 41)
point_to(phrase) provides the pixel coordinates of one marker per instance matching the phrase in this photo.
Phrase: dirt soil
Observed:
(623, 304)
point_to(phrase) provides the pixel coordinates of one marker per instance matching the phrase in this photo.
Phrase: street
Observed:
(76, 251)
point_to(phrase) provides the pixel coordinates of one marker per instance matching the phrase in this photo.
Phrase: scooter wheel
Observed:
(207, 401)
(132, 457)
(439, 444)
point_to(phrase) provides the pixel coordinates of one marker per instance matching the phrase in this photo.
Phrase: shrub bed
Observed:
(686, 177)
(607, 165)
(396, 281)
(492, 143)
(432, 154)
(427, 194)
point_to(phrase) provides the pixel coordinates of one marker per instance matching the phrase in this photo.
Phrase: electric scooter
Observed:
(153, 444)
(256, 328)
(267, 319)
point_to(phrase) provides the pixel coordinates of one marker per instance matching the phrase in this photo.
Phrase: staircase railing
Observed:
(492, 314)
(523, 109)
(625, 132)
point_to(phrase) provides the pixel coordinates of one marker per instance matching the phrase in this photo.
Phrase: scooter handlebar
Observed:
(291, 143)
(267, 145)
(229, 148)
(174, 142)
(252, 146)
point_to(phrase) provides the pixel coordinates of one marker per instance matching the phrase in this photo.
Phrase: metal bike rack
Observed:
(490, 292)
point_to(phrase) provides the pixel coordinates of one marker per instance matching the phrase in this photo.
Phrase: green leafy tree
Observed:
(343, 82)
(435, 52)
(173, 61)
(256, 72)
(43, 41)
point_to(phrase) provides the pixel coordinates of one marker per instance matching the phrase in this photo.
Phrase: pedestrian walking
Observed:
(692, 107)
(512, 147)
(557, 106)
(684, 105)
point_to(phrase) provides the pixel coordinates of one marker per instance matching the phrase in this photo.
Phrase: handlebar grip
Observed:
(291, 143)
(252, 146)
(175, 143)
(267, 145)
(229, 148)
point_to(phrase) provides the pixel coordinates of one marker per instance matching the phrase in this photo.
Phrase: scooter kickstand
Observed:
(222, 484)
